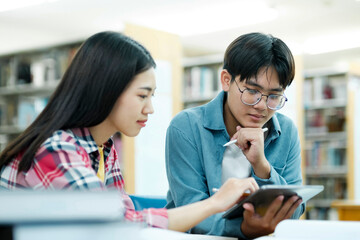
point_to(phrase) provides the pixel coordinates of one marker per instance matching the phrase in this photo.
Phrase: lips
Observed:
(256, 117)
(142, 123)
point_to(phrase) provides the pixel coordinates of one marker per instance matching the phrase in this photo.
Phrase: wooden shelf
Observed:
(203, 60)
(27, 80)
(327, 171)
(330, 155)
(326, 104)
(28, 89)
(321, 203)
(326, 71)
(10, 130)
(347, 210)
(326, 136)
(199, 99)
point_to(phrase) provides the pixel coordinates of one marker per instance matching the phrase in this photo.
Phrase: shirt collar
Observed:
(275, 125)
(213, 112)
(83, 136)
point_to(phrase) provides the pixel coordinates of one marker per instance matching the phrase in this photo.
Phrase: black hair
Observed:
(102, 68)
(249, 53)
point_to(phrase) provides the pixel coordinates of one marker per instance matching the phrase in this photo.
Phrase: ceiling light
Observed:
(196, 19)
(332, 43)
(16, 4)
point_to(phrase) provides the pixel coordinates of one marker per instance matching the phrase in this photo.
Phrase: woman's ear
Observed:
(225, 78)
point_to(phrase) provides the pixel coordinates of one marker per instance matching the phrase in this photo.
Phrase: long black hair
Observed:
(247, 54)
(101, 70)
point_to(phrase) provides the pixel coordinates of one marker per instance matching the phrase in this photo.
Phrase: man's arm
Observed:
(188, 183)
(290, 173)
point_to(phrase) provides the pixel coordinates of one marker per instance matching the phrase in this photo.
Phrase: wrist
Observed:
(262, 169)
(212, 206)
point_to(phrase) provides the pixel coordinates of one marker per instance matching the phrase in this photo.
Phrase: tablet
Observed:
(262, 198)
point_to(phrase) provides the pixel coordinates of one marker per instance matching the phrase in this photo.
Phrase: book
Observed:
(28, 206)
(158, 233)
(94, 231)
(315, 230)
(262, 198)
(29, 108)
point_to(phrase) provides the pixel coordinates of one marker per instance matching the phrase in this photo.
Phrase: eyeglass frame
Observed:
(259, 99)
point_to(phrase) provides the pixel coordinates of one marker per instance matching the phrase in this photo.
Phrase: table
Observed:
(348, 210)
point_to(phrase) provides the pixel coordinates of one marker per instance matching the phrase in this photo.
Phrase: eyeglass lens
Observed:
(252, 97)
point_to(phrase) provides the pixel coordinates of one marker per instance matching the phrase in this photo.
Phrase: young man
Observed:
(257, 69)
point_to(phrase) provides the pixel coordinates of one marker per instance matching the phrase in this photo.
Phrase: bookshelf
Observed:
(328, 124)
(44, 68)
(27, 79)
(201, 79)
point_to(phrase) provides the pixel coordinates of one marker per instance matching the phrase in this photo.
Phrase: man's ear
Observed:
(225, 78)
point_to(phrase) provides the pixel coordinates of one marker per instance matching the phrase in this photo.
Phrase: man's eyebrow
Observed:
(254, 84)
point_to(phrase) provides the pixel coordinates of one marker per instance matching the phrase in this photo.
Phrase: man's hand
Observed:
(251, 142)
(254, 225)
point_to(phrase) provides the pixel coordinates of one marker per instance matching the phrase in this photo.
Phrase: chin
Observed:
(131, 134)
(254, 125)
(134, 134)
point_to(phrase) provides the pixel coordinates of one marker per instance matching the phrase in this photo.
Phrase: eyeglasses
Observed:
(252, 97)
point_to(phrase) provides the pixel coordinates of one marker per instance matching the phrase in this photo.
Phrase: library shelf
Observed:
(28, 89)
(328, 140)
(27, 80)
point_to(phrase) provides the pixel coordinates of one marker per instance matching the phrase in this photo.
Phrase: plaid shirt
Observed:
(69, 160)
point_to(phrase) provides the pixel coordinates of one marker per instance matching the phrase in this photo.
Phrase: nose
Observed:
(262, 104)
(148, 109)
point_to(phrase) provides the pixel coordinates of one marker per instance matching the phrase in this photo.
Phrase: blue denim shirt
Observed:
(194, 153)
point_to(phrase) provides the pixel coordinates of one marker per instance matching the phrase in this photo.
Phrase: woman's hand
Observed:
(231, 192)
(185, 217)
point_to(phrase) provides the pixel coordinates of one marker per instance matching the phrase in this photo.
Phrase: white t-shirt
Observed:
(235, 164)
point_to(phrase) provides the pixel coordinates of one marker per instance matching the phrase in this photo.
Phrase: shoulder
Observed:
(61, 146)
(188, 116)
(208, 116)
(61, 162)
(287, 125)
(64, 140)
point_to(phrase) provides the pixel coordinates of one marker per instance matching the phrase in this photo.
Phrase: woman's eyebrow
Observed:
(150, 89)
(146, 88)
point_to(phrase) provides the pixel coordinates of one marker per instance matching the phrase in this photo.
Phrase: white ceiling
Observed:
(297, 22)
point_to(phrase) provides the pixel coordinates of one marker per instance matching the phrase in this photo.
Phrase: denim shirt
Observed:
(194, 153)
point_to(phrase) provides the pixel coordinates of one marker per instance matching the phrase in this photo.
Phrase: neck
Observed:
(101, 133)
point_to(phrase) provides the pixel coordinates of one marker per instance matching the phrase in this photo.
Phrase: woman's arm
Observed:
(185, 217)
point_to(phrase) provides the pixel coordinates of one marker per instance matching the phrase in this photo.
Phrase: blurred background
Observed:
(188, 38)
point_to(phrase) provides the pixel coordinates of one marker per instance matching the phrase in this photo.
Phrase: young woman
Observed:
(106, 89)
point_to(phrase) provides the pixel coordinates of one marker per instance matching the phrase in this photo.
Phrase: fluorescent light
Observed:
(193, 19)
(332, 43)
(16, 4)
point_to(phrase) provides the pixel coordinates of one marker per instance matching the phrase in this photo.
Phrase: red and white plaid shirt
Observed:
(69, 160)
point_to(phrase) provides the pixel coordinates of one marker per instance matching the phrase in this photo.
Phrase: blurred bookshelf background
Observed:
(27, 79)
(39, 40)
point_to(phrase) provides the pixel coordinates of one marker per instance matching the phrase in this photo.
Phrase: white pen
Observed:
(246, 193)
(235, 140)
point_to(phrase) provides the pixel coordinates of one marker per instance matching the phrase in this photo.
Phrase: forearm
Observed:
(262, 169)
(185, 217)
(274, 178)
